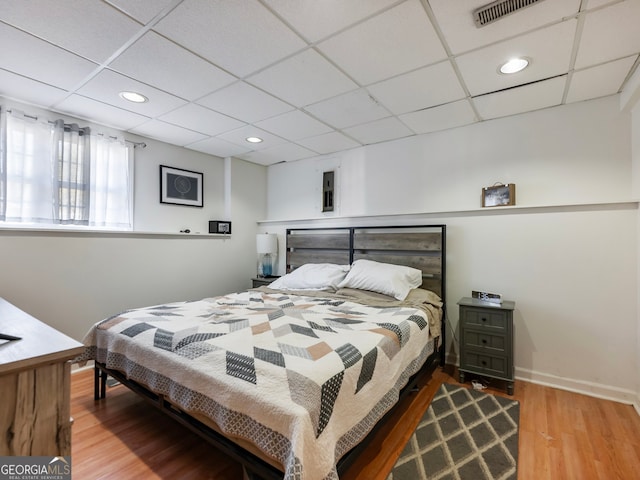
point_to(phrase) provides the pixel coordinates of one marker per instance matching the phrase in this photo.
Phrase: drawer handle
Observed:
(484, 362)
(484, 319)
(484, 341)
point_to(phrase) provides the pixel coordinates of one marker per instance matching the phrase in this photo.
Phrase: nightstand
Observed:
(262, 281)
(486, 339)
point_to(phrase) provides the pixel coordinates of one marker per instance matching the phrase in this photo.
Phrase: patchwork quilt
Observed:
(302, 377)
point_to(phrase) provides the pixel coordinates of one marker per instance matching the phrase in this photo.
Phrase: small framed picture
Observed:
(499, 195)
(180, 187)
(217, 226)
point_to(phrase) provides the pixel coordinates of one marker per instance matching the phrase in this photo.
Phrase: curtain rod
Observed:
(135, 144)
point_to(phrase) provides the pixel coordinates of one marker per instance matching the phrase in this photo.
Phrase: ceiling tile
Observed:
(24, 89)
(281, 153)
(142, 10)
(442, 117)
(107, 85)
(239, 137)
(535, 96)
(549, 50)
(243, 101)
(189, 77)
(76, 21)
(216, 71)
(241, 36)
(303, 79)
(429, 86)
(349, 109)
(316, 20)
(329, 143)
(599, 81)
(218, 147)
(609, 34)
(201, 119)
(591, 4)
(379, 131)
(456, 21)
(166, 132)
(89, 109)
(294, 125)
(37, 59)
(369, 52)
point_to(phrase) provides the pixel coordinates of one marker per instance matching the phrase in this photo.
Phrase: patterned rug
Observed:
(465, 434)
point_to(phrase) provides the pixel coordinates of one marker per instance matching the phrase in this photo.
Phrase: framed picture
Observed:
(499, 195)
(217, 226)
(180, 187)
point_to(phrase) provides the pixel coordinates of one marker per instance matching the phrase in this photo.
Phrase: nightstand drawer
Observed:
(485, 319)
(497, 366)
(485, 341)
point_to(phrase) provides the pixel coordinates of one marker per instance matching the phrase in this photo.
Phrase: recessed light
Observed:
(514, 65)
(134, 97)
(253, 139)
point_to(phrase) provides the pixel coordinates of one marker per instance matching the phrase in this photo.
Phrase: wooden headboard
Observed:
(418, 246)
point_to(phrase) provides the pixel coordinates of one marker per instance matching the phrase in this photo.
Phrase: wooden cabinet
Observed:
(35, 386)
(486, 340)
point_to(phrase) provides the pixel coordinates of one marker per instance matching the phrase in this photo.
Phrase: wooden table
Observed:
(35, 386)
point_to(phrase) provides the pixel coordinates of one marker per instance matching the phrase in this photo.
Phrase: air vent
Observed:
(496, 10)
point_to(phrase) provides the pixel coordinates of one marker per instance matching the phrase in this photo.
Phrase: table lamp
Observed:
(267, 244)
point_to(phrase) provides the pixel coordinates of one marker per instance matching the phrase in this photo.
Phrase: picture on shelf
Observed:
(499, 195)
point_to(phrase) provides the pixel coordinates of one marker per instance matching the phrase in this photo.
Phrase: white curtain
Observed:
(28, 170)
(55, 173)
(110, 201)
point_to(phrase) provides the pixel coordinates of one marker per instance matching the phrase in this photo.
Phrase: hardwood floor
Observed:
(563, 435)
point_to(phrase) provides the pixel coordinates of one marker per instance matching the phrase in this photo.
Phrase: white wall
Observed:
(579, 153)
(570, 268)
(635, 148)
(71, 280)
(153, 216)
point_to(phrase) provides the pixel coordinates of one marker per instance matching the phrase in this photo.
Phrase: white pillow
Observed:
(393, 280)
(312, 276)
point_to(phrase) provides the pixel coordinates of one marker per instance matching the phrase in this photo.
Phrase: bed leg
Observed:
(103, 384)
(96, 383)
(99, 383)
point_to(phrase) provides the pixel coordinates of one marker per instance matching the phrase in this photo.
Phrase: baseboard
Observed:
(451, 359)
(75, 368)
(606, 392)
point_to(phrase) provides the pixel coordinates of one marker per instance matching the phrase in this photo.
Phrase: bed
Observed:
(292, 378)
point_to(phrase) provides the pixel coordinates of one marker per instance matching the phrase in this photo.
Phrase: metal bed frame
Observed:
(334, 245)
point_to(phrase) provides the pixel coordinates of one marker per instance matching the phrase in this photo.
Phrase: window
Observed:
(61, 174)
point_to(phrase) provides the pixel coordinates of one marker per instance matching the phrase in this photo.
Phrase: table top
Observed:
(39, 343)
(474, 302)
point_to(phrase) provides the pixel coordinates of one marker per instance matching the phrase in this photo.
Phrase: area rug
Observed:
(465, 434)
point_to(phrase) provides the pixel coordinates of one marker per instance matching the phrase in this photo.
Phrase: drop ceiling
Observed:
(309, 77)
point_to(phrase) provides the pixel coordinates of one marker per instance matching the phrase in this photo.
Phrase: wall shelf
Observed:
(104, 233)
(477, 212)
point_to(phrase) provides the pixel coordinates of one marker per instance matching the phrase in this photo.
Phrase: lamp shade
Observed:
(267, 243)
